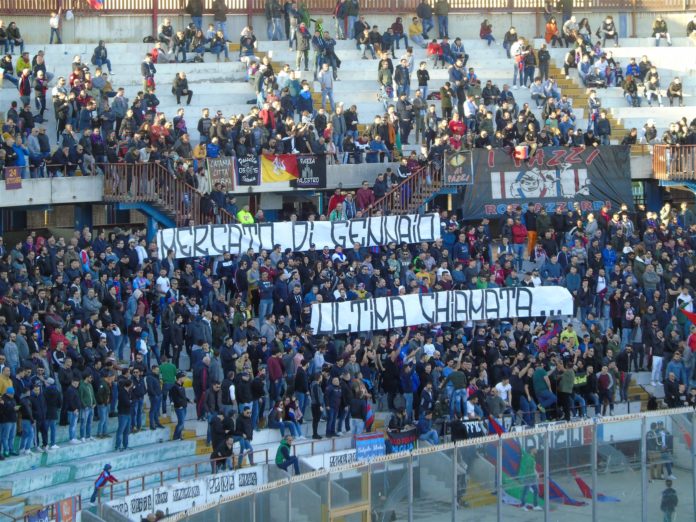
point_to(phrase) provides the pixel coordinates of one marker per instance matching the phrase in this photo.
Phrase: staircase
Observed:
(579, 94)
(151, 189)
(413, 194)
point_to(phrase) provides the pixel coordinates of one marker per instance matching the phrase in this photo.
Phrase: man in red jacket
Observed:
(519, 236)
(364, 197)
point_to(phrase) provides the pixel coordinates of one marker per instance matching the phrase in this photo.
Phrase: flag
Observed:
(545, 338)
(691, 316)
(96, 4)
(278, 167)
(494, 426)
(369, 417)
(587, 490)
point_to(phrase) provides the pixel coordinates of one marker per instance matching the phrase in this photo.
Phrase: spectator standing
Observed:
(54, 23)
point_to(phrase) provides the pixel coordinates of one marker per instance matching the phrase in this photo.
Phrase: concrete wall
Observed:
(118, 28)
(54, 191)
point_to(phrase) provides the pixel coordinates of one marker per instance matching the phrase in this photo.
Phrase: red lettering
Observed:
(586, 205)
(489, 210)
(537, 207)
(538, 158)
(563, 206)
(574, 155)
(556, 158)
(591, 157)
(491, 158)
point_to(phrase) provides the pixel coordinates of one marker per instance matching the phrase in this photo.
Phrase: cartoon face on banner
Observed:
(538, 183)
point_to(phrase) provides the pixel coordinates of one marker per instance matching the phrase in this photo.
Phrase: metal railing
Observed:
(408, 195)
(151, 183)
(674, 162)
(194, 470)
(35, 513)
(250, 7)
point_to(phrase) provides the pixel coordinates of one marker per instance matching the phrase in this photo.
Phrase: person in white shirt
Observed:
(162, 283)
(504, 389)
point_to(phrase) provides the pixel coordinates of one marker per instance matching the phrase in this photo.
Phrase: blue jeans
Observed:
(331, 421)
(106, 62)
(265, 308)
(55, 32)
(343, 419)
(103, 411)
(26, 442)
(165, 394)
(458, 402)
(431, 437)
(427, 26)
(86, 415)
(328, 93)
(197, 21)
(519, 249)
(12, 79)
(291, 426)
(351, 24)
(408, 398)
(137, 413)
(155, 405)
(546, 398)
(222, 26)
(535, 491)
(625, 336)
(292, 461)
(357, 426)
(490, 39)
(528, 407)
(301, 401)
(51, 423)
(580, 404)
(72, 424)
(397, 39)
(8, 431)
(180, 418)
(443, 26)
(217, 49)
(124, 427)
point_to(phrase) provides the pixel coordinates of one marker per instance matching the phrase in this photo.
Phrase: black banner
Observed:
(312, 172)
(553, 177)
(458, 168)
(404, 440)
(248, 170)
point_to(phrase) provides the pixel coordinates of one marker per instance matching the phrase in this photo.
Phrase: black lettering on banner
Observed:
(339, 233)
(141, 504)
(198, 241)
(161, 497)
(397, 317)
(375, 231)
(248, 480)
(461, 306)
(234, 238)
(382, 320)
(426, 300)
(299, 227)
(427, 220)
(492, 303)
(221, 484)
(251, 235)
(341, 460)
(524, 304)
(507, 295)
(389, 225)
(121, 507)
(216, 230)
(476, 313)
(184, 246)
(166, 241)
(266, 233)
(442, 308)
(405, 228)
(358, 231)
(186, 493)
(356, 307)
(337, 325)
(319, 330)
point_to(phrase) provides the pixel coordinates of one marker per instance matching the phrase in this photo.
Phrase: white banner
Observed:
(214, 240)
(330, 460)
(384, 313)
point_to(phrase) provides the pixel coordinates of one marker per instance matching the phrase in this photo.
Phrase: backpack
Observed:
(149, 39)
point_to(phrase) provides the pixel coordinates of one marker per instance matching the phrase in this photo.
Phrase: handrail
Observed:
(674, 162)
(152, 183)
(408, 195)
(142, 479)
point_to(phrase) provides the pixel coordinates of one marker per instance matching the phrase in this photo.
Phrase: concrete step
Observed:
(25, 481)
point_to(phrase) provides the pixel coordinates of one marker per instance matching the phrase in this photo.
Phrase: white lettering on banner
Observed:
(384, 313)
(214, 240)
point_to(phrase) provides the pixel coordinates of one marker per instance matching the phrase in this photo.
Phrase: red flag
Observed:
(691, 316)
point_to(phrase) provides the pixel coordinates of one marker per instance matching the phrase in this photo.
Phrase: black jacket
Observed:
(177, 394)
(124, 400)
(53, 402)
(72, 399)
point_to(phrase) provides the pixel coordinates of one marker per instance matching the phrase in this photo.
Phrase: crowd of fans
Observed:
(96, 325)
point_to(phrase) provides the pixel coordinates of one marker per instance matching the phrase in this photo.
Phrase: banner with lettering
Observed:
(215, 240)
(221, 170)
(404, 440)
(13, 178)
(386, 313)
(312, 172)
(248, 170)
(369, 445)
(553, 177)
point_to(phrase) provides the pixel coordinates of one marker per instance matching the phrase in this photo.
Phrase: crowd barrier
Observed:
(600, 469)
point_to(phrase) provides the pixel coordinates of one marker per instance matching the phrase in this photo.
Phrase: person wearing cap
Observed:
(104, 478)
(179, 401)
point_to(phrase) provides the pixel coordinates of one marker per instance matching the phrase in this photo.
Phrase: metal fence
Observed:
(609, 469)
(249, 7)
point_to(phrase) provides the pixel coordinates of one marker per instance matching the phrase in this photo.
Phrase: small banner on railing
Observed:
(13, 178)
(248, 170)
(312, 172)
(404, 440)
(459, 168)
(221, 170)
(39, 516)
(370, 445)
(66, 510)
(279, 167)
